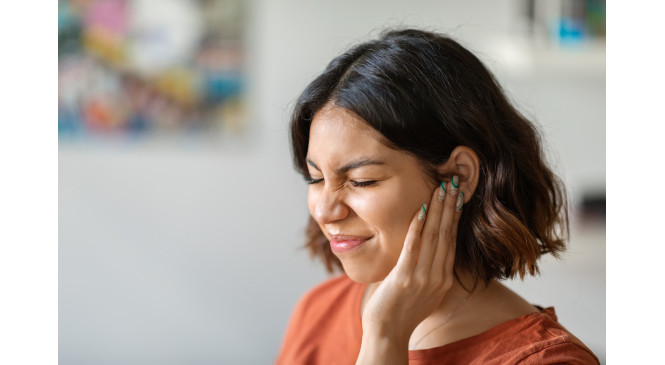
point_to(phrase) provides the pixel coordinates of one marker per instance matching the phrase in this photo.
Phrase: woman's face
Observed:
(363, 194)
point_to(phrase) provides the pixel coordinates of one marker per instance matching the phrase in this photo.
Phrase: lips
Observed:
(346, 243)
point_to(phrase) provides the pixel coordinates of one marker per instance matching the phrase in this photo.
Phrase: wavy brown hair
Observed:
(426, 94)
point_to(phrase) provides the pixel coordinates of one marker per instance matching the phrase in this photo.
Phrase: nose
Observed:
(329, 206)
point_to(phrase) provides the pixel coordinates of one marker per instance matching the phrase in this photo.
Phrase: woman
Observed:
(426, 187)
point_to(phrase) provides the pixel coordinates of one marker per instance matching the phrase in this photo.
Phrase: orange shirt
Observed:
(326, 329)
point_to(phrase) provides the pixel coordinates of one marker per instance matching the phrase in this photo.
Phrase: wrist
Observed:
(383, 348)
(379, 338)
(385, 334)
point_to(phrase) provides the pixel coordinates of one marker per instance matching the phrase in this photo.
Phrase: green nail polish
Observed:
(460, 200)
(455, 182)
(421, 214)
(443, 186)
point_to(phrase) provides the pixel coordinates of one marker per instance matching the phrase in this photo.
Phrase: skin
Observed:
(382, 210)
(407, 262)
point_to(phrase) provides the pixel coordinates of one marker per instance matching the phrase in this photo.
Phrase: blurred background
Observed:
(181, 218)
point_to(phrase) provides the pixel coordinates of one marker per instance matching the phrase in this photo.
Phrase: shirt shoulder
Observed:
(564, 352)
(325, 324)
(540, 339)
(535, 338)
(331, 289)
(317, 301)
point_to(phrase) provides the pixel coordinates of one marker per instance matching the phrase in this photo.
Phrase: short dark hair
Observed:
(426, 94)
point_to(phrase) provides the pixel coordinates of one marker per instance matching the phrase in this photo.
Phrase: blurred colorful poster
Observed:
(150, 67)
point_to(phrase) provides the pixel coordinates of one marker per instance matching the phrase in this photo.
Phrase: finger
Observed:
(409, 255)
(450, 260)
(430, 234)
(448, 231)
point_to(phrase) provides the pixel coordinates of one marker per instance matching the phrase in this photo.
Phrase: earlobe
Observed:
(465, 163)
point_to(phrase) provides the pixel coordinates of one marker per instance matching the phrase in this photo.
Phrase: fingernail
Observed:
(423, 211)
(442, 192)
(460, 201)
(455, 182)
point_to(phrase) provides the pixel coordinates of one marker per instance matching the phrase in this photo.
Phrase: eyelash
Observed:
(357, 184)
(311, 181)
(362, 184)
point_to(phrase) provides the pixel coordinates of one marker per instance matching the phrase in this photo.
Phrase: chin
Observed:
(364, 274)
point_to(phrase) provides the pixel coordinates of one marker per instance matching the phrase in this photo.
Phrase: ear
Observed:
(463, 162)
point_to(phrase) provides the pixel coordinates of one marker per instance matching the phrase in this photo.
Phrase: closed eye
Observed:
(356, 184)
(311, 181)
(360, 184)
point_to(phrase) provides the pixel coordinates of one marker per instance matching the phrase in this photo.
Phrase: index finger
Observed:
(409, 255)
(429, 238)
(447, 240)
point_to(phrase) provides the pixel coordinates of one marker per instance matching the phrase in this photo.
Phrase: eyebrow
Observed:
(353, 165)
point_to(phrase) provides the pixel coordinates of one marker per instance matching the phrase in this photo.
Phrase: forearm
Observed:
(381, 349)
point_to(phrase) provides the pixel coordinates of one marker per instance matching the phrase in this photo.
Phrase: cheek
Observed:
(389, 211)
(312, 197)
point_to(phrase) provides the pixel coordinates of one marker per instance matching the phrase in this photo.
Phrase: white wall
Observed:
(173, 253)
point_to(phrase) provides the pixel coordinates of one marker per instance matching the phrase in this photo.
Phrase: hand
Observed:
(418, 283)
